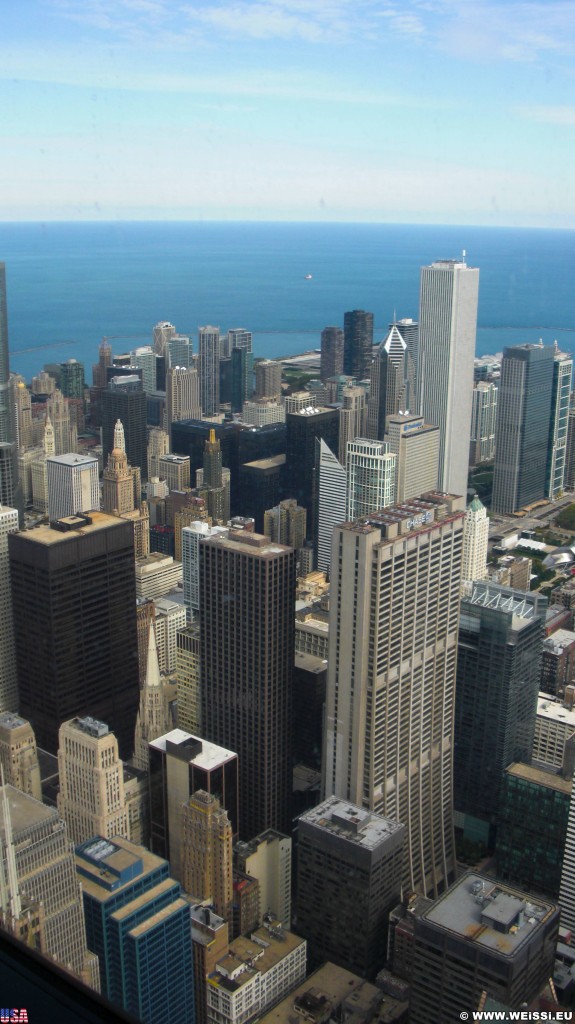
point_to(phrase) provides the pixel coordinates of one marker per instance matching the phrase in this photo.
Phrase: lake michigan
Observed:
(71, 284)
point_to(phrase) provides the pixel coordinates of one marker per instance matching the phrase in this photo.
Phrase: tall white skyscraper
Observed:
(370, 477)
(447, 327)
(475, 542)
(394, 616)
(182, 396)
(331, 491)
(73, 485)
(209, 370)
(8, 676)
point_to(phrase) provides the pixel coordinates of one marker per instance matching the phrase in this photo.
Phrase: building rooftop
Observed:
(259, 952)
(72, 459)
(541, 777)
(310, 663)
(70, 527)
(317, 998)
(554, 711)
(489, 914)
(9, 720)
(351, 823)
(106, 866)
(254, 544)
(272, 463)
(25, 811)
(158, 918)
(202, 753)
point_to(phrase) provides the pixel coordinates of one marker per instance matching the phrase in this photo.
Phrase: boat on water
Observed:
(308, 277)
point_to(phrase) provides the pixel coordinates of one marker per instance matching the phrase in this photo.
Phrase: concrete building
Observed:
(74, 601)
(210, 941)
(312, 632)
(483, 422)
(263, 410)
(206, 852)
(125, 399)
(331, 352)
(175, 470)
(560, 400)
(162, 332)
(352, 419)
(180, 765)
(357, 343)
(286, 523)
(558, 662)
(40, 869)
(73, 485)
(392, 388)
(192, 535)
(331, 993)
(65, 434)
(303, 430)
(157, 574)
(554, 738)
(370, 477)
(19, 754)
(415, 445)
(170, 617)
(118, 484)
(209, 370)
(255, 973)
(8, 671)
(480, 936)
(347, 923)
(394, 615)
(140, 925)
(158, 445)
(268, 377)
(188, 678)
(331, 497)
(182, 395)
(447, 326)
(268, 857)
(247, 591)
(475, 543)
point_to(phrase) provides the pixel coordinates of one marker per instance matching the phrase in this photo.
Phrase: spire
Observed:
(152, 665)
(119, 439)
(49, 439)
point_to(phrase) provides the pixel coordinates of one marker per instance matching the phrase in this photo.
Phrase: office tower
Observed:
(8, 672)
(268, 374)
(38, 863)
(310, 678)
(447, 325)
(162, 332)
(157, 574)
(65, 434)
(213, 487)
(182, 395)
(9, 489)
(191, 537)
(286, 523)
(347, 924)
(567, 888)
(175, 470)
(415, 445)
(140, 925)
(209, 370)
(352, 419)
(263, 410)
(532, 828)
(524, 408)
(43, 384)
(331, 352)
(180, 765)
(394, 612)
(241, 378)
(169, 617)
(558, 428)
(480, 936)
(210, 941)
(206, 858)
(331, 492)
(237, 338)
(124, 399)
(158, 445)
(258, 978)
(118, 484)
(73, 485)
(570, 450)
(370, 477)
(409, 330)
(498, 665)
(153, 717)
(39, 471)
(75, 625)
(19, 754)
(475, 543)
(268, 857)
(91, 799)
(72, 379)
(357, 343)
(188, 678)
(178, 351)
(146, 360)
(261, 485)
(483, 421)
(302, 429)
(23, 411)
(247, 593)
(392, 390)
(98, 369)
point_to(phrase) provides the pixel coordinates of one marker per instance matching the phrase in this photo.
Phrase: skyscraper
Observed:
(357, 343)
(483, 420)
(447, 326)
(206, 852)
(162, 332)
(558, 427)
(268, 374)
(475, 542)
(352, 419)
(74, 600)
(182, 395)
(209, 370)
(415, 445)
(65, 433)
(8, 673)
(392, 374)
(124, 399)
(394, 613)
(302, 430)
(331, 352)
(9, 490)
(247, 629)
(523, 425)
(331, 496)
(73, 485)
(72, 379)
(19, 754)
(370, 477)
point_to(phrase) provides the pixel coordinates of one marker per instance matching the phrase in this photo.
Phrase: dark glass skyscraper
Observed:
(357, 343)
(523, 424)
(302, 429)
(124, 399)
(74, 597)
(9, 490)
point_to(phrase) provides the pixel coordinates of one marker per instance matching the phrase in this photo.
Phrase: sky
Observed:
(405, 111)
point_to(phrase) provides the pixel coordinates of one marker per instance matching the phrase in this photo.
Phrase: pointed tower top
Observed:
(49, 439)
(119, 439)
(153, 665)
(212, 436)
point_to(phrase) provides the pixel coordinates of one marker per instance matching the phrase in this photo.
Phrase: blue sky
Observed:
(429, 111)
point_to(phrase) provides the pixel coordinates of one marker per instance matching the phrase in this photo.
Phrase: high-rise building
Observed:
(191, 537)
(268, 374)
(72, 379)
(158, 445)
(238, 337)
(263, 410)
(357, 343)
(559, 425)
(394, 616)
(124, 399)
(8, 673)
(213, 482)
(65, 433)
(483, 421)
(210, 940)
(178, 351)
(182, 395)
(74, 606)
(268, 857)
(206, 852)
(447, 326)
(73, 485)
(43, 874)
(162, 333)
(24, 433)
(180, 765)
(140, 925)
(247, 594)
(9, 490)
(392, 389)
(475, 542)
(241, 378)
(409, 330)
(19, 754)
(209, 370)
(286, 523)
(480, 936)
(175, 470)
(415, 445)
(567, 889)
(352, 419)
(347, 924)
(188, 678)
(524, 409)
(370, 477)
(118, 484)
(498, 666)
(302, 430)
(331, 352)
(331, 497)
(154, 712)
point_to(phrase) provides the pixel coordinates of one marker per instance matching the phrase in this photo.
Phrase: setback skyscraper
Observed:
(447, 326)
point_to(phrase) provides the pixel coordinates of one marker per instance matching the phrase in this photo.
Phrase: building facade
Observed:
(370, 477)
